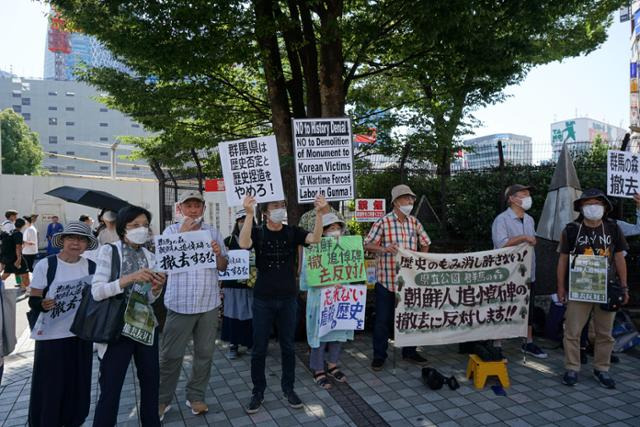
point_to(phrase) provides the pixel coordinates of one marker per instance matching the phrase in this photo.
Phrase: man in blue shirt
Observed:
(53, 228)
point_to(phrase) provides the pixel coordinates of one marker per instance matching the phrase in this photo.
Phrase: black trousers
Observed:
(61, 382)
(113, 369)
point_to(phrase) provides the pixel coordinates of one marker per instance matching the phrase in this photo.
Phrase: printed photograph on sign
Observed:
(184, 252)
(588, 278)
(251, 167)
(335, 260)
(623, 179)
(453, 298)
(323, 153)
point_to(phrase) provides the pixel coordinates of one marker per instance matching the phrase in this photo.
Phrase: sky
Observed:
(595, 86)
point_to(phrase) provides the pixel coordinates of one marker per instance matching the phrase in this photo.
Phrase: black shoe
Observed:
(414, 358)
(294, 400)
(583, 357)
(604, 379)
(255, 403)
(570, 378)
(377, 364)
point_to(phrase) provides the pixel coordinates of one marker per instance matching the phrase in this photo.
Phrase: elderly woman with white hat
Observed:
(325, 349)
(61, 379)
(237, 316)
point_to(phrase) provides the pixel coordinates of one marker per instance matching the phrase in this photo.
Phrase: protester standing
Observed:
(142, 285)
(53, 228)
(192, 300)
(61, 377)
(237, 319)
(397, 229)
(275, 293)
(30, 242)
(13, 261)
(592, 234)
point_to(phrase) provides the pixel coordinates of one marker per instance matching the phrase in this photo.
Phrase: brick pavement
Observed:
(391, 397)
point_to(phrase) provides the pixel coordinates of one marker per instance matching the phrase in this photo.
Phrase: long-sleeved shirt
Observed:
(629, 229)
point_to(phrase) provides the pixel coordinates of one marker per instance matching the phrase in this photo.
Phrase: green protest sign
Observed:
(335, 260)
(588, 278)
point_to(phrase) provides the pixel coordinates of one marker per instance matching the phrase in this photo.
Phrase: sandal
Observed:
(321, 379)
(337, 374)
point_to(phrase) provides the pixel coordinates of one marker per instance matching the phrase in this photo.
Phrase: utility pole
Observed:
(113, 159)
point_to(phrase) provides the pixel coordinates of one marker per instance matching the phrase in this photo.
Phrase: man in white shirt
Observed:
(192, 299)
(30, 242)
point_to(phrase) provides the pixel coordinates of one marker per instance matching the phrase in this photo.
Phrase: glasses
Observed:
(75, 238)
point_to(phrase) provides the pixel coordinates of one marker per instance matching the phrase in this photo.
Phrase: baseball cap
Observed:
(513, 189)
(195, 195)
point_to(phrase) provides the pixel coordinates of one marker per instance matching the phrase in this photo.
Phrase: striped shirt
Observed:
(192, 292)
(407, 234)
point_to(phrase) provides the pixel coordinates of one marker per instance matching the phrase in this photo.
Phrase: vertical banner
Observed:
(452, 298)
(251, 167)
(622, 174)
(335, 260)
(323, 152)
(342, 308)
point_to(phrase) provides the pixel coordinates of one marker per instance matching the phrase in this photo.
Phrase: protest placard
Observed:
(184, 251)
(342, 308)
(55, 323)
(452, 298)
(323, 152)
(370, 210)
(251, 167)
(335, 260)
(588, 278)
(622, 174)
(238, 266)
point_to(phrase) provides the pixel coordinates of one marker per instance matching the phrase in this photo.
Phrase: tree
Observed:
(21, 150)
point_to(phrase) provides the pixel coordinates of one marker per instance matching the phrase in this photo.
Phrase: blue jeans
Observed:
(265, 311)
(383, 327)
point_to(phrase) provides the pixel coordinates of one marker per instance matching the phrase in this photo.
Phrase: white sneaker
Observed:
(163, 408)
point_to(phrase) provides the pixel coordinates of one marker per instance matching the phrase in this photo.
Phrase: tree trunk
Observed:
(332, 62)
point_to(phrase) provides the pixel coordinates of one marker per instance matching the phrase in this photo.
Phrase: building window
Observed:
(27, 116)
(53, 93)
(53, 140)
(70, 94)
(104, 110)
(17, 108)
(26, 101)
(104, 138)
(53, 121)
(71, 153)
(71, 138)
(16, 94)
(69, 123)
(104, 168)
(104, 125)
(71, 168)
(53, 168)
(70, 109)
(135, 125)
(104, 153)
(52, 108)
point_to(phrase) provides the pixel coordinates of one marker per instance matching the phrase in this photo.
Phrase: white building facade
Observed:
(580, 133)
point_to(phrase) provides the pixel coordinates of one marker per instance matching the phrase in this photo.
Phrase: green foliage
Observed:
(21, 150)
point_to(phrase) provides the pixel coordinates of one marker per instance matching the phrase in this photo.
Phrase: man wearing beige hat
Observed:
(192, 299)
(397, 229)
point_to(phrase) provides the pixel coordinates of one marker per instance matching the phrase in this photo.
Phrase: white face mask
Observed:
(334, 233)
(593, 212)
(406, 209)
(139, 235)
(278, 215)
(197, 220)
(526, 203)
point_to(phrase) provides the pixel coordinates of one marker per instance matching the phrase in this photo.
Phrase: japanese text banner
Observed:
(184, 251)
(622, 174)
(335, 260)
(452, 298)
(342, 308)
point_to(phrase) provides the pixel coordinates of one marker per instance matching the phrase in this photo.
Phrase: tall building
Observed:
(73, 126)
(66, 51)
(579, 134)
(482, 152)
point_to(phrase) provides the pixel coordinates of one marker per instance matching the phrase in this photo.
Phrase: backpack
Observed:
(52, 266)
(5, 246)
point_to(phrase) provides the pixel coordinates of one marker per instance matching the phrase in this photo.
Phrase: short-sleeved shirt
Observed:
(606, 239)
(276, 255)
(508, 225)
(9, 253)
(407, 234)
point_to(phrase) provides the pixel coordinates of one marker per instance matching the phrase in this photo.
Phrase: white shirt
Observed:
(192, 292)
(7, 226)
(30, 235)
(66, 289)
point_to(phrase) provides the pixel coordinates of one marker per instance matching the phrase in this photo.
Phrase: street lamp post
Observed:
(113, 159)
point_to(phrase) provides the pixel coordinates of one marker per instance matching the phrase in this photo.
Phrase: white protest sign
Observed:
(323, 152)
(184, 251)
(342, 308)
(55, 323)
(622, 174)
(453, 298)
(251, 167)
(238, 266)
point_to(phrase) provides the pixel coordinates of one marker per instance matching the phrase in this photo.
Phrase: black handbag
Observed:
(615, 296)
(101, 321)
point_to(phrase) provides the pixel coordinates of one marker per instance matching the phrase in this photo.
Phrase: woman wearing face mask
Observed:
(591, 234)
(325, 349)
(141, 286)
(237, 318)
